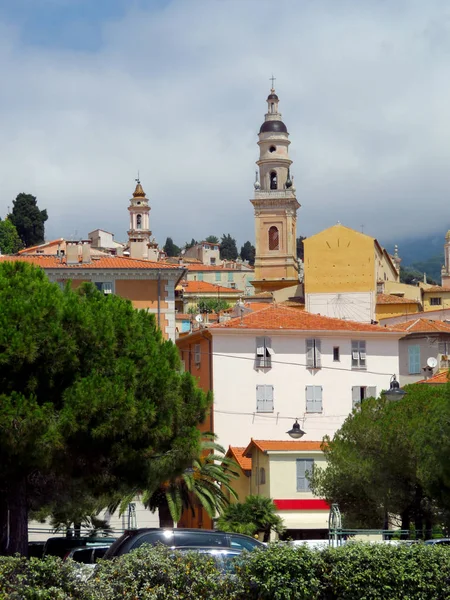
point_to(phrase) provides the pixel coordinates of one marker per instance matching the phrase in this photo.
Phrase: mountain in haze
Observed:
(423, 254)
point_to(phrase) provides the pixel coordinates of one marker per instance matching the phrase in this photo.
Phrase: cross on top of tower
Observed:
(272, 79)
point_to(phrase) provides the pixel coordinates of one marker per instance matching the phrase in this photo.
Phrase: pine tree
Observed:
(29, 220)
(248, 253)
(228, 248)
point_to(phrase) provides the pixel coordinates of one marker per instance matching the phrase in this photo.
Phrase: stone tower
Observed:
(276, 206)
(445, 274)
(139, 232)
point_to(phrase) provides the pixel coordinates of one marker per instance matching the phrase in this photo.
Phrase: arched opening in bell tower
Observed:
(273, 180)
(139, 222)
(274, 238)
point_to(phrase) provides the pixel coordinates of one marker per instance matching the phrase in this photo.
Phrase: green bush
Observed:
(279, 572)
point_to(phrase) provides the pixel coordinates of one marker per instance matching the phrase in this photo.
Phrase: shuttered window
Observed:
(313, 354)
(414, 359)
(360, 393)
(314, 398)
(359, 358)
(264, 353)
(305, 468)
(197, 354)
(264, 398)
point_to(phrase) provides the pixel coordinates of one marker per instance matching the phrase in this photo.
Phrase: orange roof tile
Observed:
(424, 326)
(392, 299)
(435, 288)
(282, 446)
(195, 287)
(103, 262)
(183, 316)
(201, 267)
(438, 378)
(43, 245)
(237, 453)
(276, 316)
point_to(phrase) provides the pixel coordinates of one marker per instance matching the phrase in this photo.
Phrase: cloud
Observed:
(177, 90)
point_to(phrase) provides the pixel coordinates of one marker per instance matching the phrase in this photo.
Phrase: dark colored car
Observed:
(439, 541)
(88, 555)
(60, 546)
(179, 538)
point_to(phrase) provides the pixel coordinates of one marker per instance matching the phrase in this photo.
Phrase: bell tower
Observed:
(139, 232)
(275, 205)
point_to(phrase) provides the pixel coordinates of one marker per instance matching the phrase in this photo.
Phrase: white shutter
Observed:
(309, 398)
(259, 398)
(356, 395)
(310, 353)
(318, 353)
(371, 391)
(318, 407)
(269, 398)
(301, 480)
(264, 398)
(259, 346)
(269, 349)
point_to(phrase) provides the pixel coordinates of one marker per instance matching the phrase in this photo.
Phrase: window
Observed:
(305, 467)
(361, 393)
(230, 276)
(264, 353)
(313, 354)
(414, 359)
(262, 476)
(104, 286)
(200, 276)
(197, 354)
(314, 399)
(233, 286)
(212, 261)
(444, 348)
(274, 238)
(358, 354)
(336, 354)
(139, 222)
(273, 180)
(264, 398)
(218, 276)
(435, 301)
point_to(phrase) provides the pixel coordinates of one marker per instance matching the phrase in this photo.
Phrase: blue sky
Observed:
(96, 89)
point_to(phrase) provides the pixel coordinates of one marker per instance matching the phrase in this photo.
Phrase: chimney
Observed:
(119, 251)
(86, 251)
(72, 253)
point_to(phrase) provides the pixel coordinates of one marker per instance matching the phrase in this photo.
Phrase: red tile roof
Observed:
(276, 316)
(435, 288)
(201, 267)
(237, 453)
(103, 262)
(424, 326)
(436, 379)
(44, 245)
(392, 299)
(196, 287)
(282, 446)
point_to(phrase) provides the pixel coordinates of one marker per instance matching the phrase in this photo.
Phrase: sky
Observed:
(95, 91)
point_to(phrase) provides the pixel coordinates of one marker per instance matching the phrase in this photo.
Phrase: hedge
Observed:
(279, 572)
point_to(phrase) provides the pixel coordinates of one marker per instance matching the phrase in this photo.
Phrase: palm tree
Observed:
(256, 514)
(207, 482)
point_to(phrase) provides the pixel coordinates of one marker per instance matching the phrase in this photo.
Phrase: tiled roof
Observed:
(44, 245)
(283, 446)
(392, 299)
(195, 287)
(293, 304)
(103, 262)
(424, 326)
(201, 267)
(438, 378)
(435, 288)
(183, 316)
(237, 452)
(276, 316)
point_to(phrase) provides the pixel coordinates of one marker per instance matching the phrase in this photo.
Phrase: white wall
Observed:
(235, 380)
(353, 306)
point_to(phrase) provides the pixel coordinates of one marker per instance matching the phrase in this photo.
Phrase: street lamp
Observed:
(394, 392)
(296, 433)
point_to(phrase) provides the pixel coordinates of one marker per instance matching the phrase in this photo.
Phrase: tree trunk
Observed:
(15, 539)
(4, 524)
(165, 518)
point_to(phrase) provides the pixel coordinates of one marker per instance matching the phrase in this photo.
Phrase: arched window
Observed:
(272, 149)
(139, 222)
(262, 476)
(271, 107)
(273, 180)
(274, 238)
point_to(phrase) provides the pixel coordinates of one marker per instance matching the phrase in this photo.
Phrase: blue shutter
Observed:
(414, 359)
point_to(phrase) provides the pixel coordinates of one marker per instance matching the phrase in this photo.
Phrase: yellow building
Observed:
(389, 305)
(435, 297)
(343, 269)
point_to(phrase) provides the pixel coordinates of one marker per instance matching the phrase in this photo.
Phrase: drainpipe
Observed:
(159, 299)
(210, 362)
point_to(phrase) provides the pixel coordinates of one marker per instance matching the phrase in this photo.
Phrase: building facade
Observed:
(275, 206)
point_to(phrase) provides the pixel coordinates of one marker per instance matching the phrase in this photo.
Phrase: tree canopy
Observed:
(190, 244)
(257, 514)
(300, 247)
(91, 394)
(248, 252)
(28, 219)
(228, 248)
(391, 458)
(209, 305)
(212, 239)
(10, 242)
(170, 248)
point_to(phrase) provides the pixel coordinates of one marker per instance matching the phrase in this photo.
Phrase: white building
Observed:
(279, 364)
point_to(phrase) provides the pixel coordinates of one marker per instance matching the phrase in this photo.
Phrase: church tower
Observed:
(139, 232)
(276, 206)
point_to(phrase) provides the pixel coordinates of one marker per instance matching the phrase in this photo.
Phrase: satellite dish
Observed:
(199, 319)
(432, 362)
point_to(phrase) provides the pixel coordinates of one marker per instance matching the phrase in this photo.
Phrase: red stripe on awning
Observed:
(312, 504)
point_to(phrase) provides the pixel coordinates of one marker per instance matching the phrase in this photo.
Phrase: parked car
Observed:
(180, 538)
(60, 546)
(440, 541)
(224, 557)
(88, 555)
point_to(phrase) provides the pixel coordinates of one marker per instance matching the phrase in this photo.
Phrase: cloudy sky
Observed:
(95, 90)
